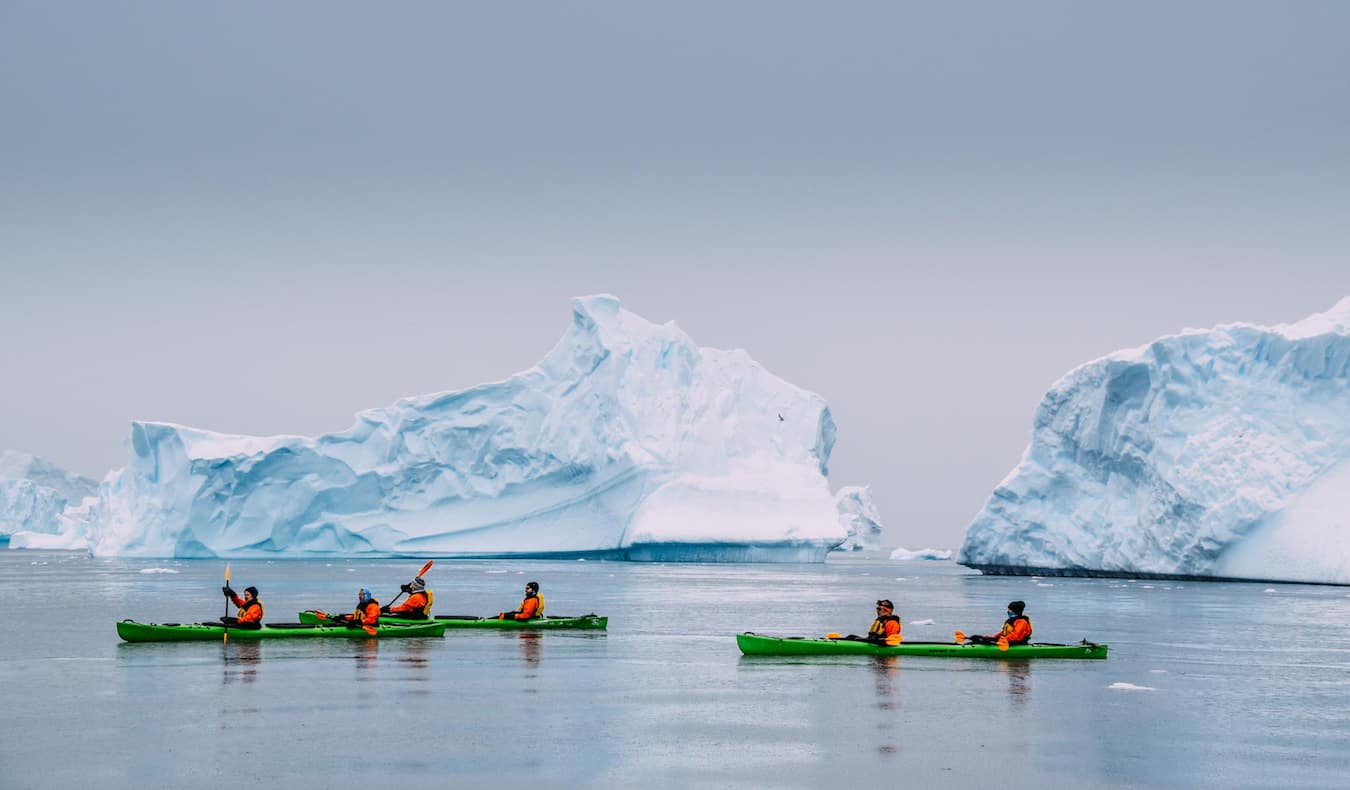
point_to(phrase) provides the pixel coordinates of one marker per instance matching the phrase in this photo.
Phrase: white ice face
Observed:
(626, 437)
(1211, 453)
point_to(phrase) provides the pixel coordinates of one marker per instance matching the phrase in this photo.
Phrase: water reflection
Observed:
(531, 649)
(1019, 680)
(367, 654)
(885, 676)
(242, 659)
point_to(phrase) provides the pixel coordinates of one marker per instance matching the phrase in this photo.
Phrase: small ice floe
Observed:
(1269, 589)
(1146, 586)
(923, 622)
(1158, 671)
(1130, 687)
(494, 571)
(44, 562)
(158, 570)
(901, 578)
(351, 570)
(1045, 584)
(581, 559)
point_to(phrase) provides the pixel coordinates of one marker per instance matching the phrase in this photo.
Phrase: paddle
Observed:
(425, 568)
(1001, 643)
(225, 635)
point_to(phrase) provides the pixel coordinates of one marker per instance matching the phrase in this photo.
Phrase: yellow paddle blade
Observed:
(893, 640)
(832, 635)
(227, 573)
(1003, 643)
(960, 637)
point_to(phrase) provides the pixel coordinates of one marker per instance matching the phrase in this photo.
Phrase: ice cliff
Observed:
(627, 440)
(34, 496)
(1220, 453)
(860, 518)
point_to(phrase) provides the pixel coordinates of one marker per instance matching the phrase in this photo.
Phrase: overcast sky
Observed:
(262, 218)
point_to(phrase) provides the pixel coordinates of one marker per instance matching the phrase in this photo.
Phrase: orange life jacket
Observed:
(884, 627)
(530, 608)
(418, 606)
(369, 618)
(1017, 629)
(249, 611)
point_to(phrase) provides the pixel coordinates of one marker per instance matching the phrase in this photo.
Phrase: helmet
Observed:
(1016, 607)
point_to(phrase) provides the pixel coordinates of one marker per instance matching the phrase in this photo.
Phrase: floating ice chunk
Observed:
(1130, 687)
(158, 570)
(922, 622)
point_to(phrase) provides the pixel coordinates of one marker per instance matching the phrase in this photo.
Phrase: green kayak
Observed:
(586, 621)
(132, 631)
(756, 645)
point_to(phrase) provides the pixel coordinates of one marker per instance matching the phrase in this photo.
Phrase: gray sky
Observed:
(262, 218)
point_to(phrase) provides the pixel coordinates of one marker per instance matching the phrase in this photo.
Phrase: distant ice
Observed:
(158, 570)
(922, 622)
(921, 554)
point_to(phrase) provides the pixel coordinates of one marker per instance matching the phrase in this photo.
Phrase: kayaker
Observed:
(418, 605)
(366, 616)
(885, 629)
(250, 608)
(1016, 629)
(530, 608)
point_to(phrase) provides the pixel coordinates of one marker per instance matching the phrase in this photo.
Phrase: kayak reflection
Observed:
(241, 662)
(1019, 680)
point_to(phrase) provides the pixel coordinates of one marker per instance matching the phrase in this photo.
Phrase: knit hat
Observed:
(417, 585)
(1016, 607)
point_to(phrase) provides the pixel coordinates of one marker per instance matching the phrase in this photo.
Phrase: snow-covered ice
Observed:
(1215, 453)
(626, 440)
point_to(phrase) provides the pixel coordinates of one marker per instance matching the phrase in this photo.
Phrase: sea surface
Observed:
(1207, 685)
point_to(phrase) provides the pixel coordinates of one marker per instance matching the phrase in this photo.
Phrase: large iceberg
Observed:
(1222, 453)
(35, 494)
(626, 441)
(860, 517)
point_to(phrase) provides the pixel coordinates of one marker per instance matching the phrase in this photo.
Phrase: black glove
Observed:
(229, 592)
(407, 588)
(384, 609)
(230, 620)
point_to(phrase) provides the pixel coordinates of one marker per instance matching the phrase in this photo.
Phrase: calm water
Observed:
(1244, 684)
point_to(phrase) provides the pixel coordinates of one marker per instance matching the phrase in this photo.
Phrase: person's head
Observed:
(250, 593)
(1015, 608)
(532, 588)
(363, 595)
(884, 606)
(417, 585)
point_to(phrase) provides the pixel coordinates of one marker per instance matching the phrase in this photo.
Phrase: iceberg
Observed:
(626, 441)
(921, 554)
(1221, 453)
(34, 495)
(858, 513)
